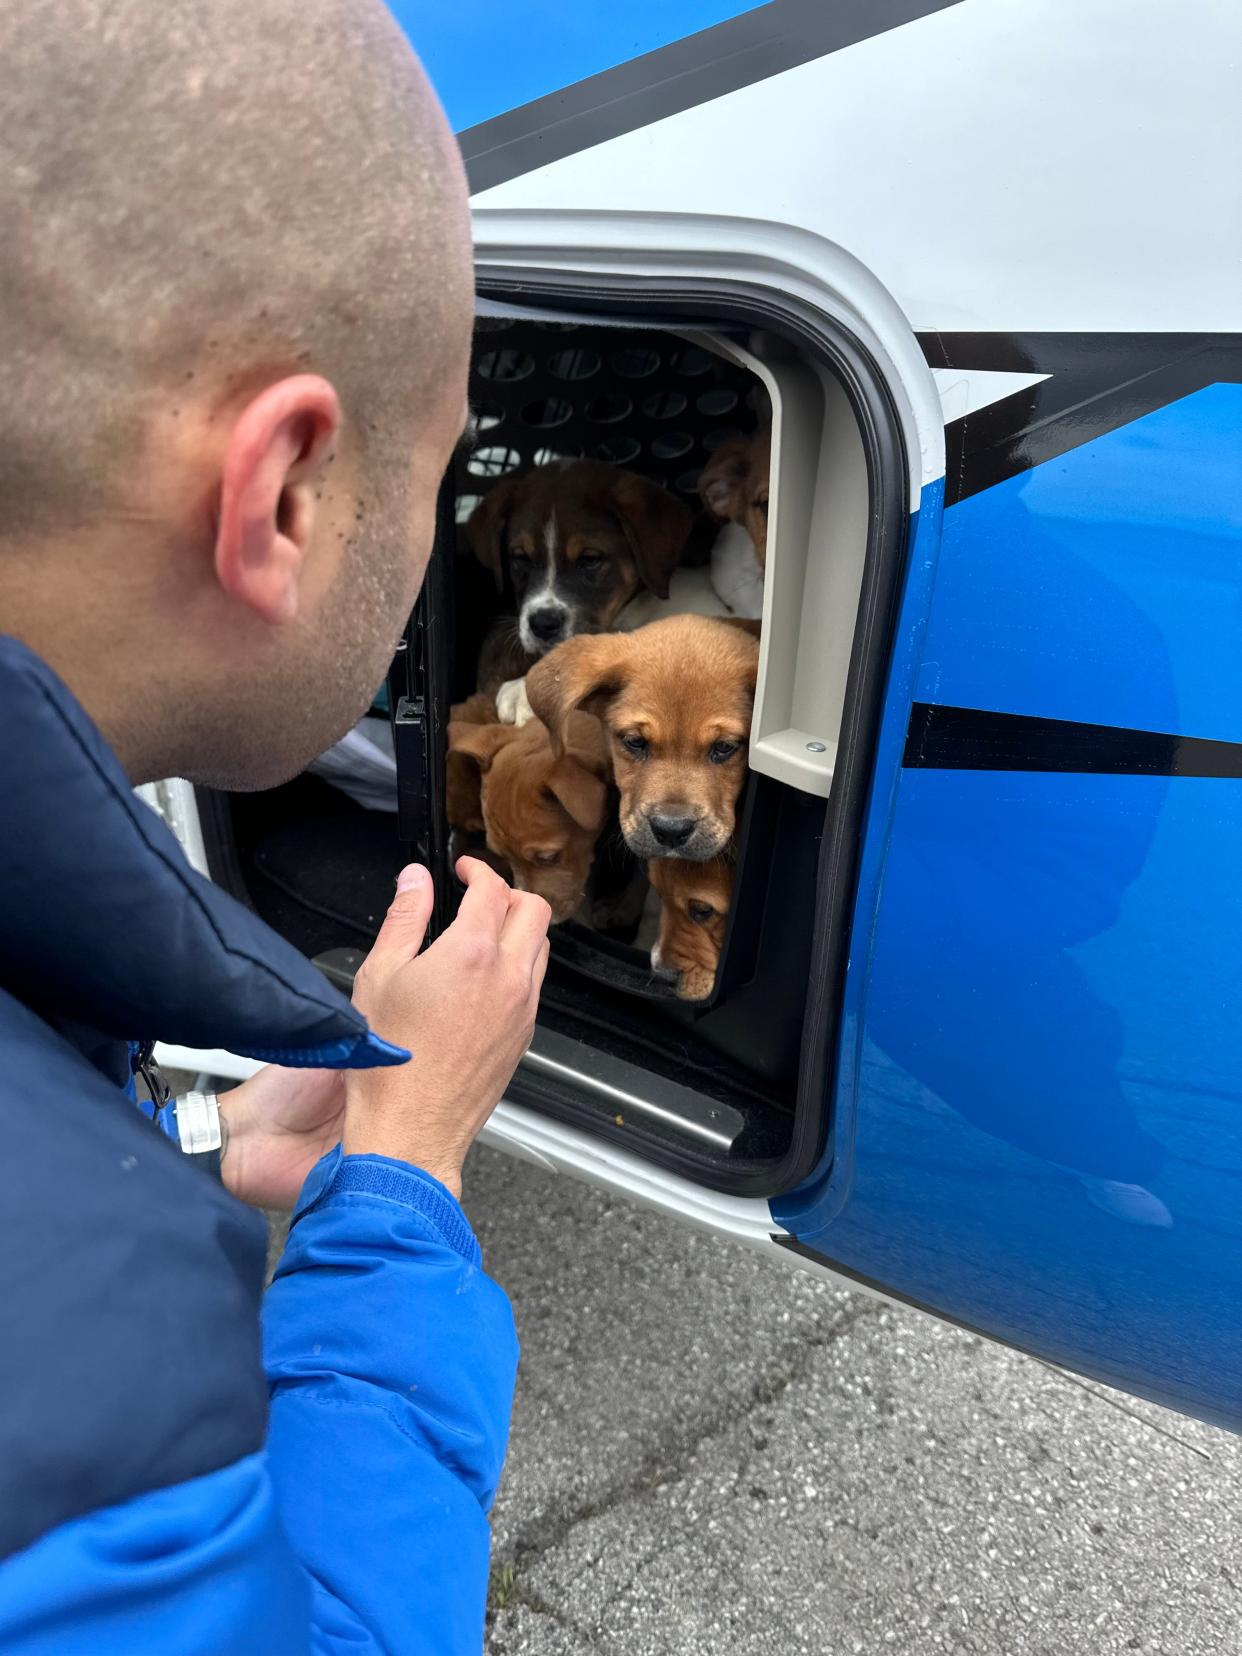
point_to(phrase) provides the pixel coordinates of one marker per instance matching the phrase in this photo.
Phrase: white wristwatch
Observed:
(200, 1127)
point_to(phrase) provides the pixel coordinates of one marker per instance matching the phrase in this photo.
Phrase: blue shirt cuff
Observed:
(394, 1181)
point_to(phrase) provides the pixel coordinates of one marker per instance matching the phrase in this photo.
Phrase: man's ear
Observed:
(584, 672)
(580, 792)
(486, 525)
(275, 454)
(723, 478)
(657, 526)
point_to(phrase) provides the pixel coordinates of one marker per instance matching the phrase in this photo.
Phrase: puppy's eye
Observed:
(720, 752)
(591, 562)
(700, 913)
(635, 745)
(546, 859)
(520, 559)
(762, 505)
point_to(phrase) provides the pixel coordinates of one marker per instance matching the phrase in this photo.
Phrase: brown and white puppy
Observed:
(675, 698)
(542, 810)
(580, 539)
(694, 906)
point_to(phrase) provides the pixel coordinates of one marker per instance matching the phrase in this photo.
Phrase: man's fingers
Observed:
(540, 968)
(526, 927)
(487, 898)
(405, 925)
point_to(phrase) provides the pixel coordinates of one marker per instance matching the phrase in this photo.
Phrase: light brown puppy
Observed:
(542, 810)
(694, 906)
(675, 698)
(463, 782)
(733, 485)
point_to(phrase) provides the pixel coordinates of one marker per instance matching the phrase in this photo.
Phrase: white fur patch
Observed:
(512, 707)
(737, 579)
(544, 595)
(689, 593)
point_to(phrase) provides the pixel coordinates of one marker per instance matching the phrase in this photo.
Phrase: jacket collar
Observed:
(103, 921)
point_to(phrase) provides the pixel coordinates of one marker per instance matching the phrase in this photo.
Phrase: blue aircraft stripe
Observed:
(494, 55)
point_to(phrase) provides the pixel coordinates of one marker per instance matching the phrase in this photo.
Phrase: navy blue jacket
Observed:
(171, 1478)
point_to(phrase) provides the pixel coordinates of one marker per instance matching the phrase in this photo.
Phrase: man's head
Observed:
(235, 305)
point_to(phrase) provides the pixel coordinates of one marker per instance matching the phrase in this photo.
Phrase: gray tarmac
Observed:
(714, 1455)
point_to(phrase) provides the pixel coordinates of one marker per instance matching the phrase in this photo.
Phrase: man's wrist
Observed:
(232, 1135)
(445, 1169)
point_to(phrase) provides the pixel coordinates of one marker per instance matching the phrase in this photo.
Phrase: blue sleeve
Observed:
(362, 1526)
(391, 1359)
(200, 1568)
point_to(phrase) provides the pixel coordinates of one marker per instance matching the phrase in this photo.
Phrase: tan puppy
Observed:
(694, 906)
(542, 811)
(675, 698)
(733, 486)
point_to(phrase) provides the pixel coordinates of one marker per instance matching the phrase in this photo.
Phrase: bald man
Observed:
(235, 309)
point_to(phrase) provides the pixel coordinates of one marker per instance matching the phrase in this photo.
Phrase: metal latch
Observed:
(411, 744)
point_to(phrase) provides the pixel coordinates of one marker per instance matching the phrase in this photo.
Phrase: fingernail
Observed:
(412, 877)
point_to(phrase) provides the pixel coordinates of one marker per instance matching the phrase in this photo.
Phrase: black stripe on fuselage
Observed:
(971, 738)
(1098, 382)
(694, 70)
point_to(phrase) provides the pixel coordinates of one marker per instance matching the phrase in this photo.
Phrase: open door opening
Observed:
(729, 1088)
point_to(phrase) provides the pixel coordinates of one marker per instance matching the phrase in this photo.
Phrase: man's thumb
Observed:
(401, 936)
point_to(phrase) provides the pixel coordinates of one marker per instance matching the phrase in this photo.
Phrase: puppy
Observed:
(675, 698)
(733, 485)
(463, 789)
(542, 810)
(694, 905)
(579, 539)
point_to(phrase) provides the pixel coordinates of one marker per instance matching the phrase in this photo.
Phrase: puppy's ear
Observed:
(470, 751)
(580, 792)
(752, 670)
(463, 793)
(723, 480)
(478, 742)
(586, 742)
(657, 526)
(753, 630)
(486, 525)
(583, 673)
(477, 709)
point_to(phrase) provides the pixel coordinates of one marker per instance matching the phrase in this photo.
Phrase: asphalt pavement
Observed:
(713, 1454)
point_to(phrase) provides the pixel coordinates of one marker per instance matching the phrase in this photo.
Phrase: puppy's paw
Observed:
(512, 706)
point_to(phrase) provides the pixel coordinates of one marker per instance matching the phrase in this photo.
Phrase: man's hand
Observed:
(277, 1125)
(465, 1009)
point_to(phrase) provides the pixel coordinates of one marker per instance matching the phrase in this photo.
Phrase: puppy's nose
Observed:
(670, 830)
(547, 624)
